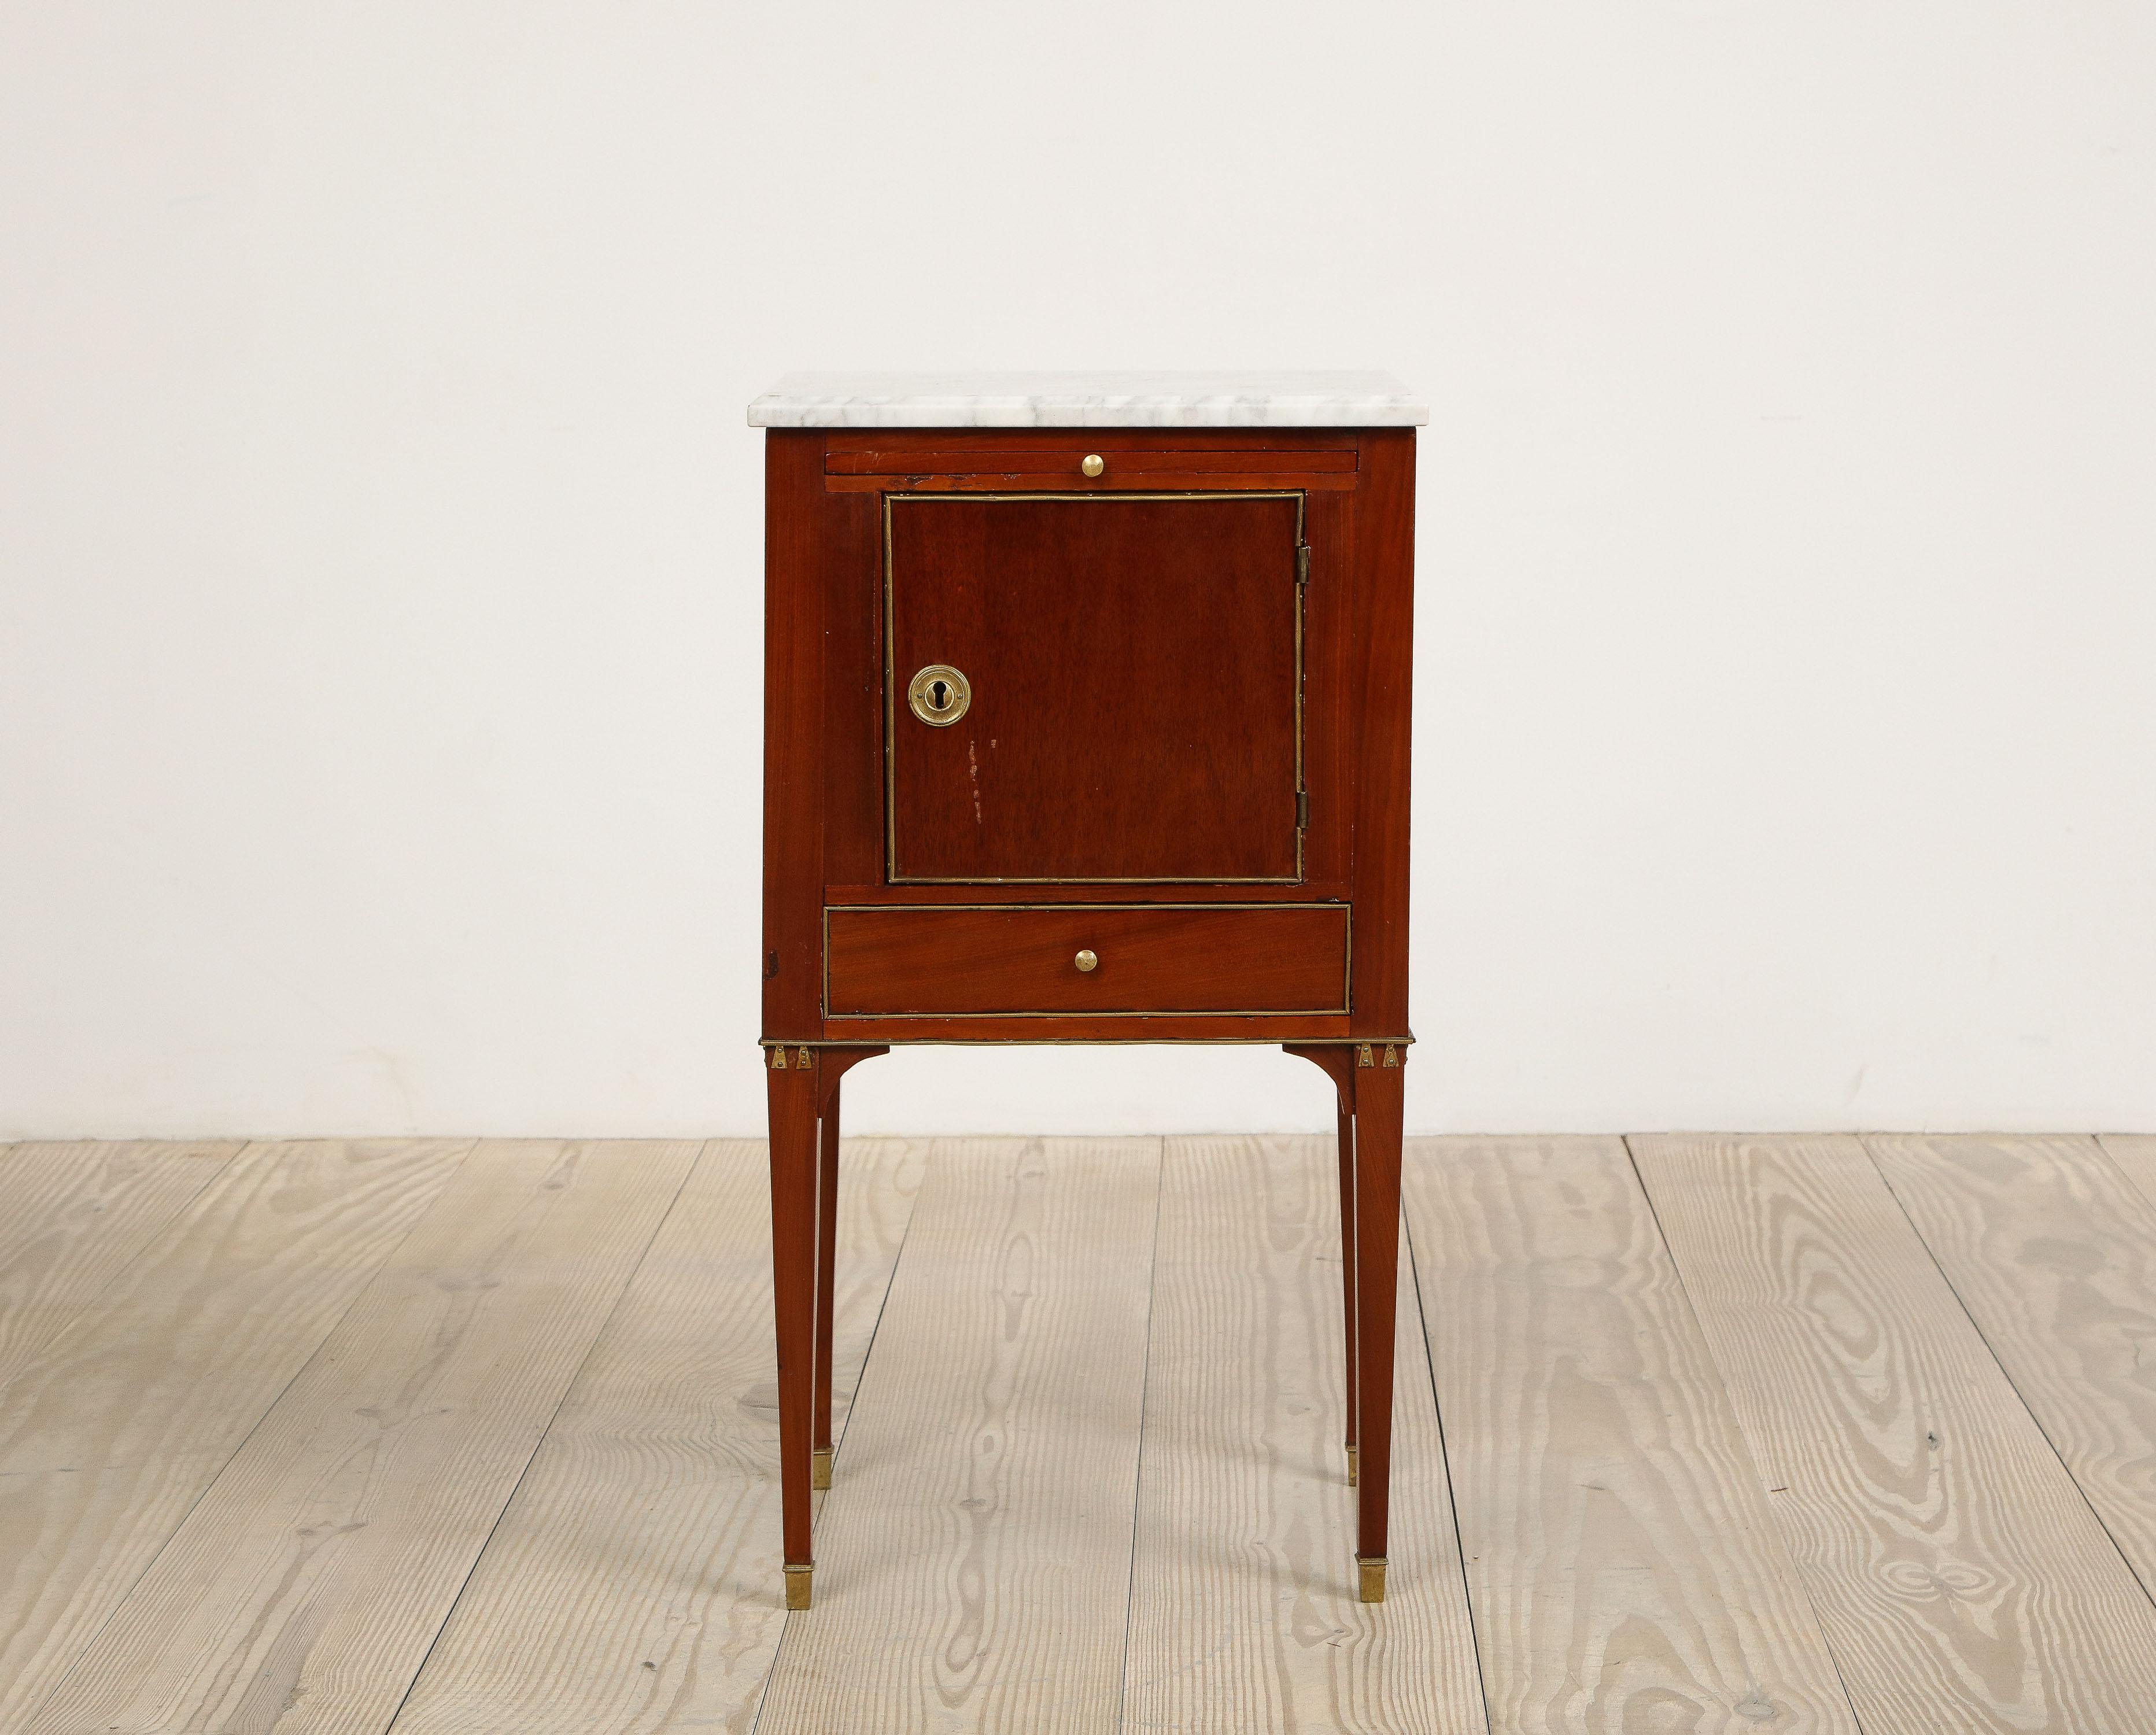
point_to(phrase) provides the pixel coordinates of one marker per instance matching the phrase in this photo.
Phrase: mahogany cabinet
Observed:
(1093, 728)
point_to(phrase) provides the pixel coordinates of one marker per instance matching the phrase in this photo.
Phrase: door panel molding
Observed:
(1294, 810)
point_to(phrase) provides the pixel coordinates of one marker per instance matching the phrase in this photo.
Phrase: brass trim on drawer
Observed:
(890, 706)
(1346, 965)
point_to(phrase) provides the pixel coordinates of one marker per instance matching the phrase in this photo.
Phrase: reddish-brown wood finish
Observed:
(1344, 1150)
(1065, 462)
(1080, 891)
(1123, 481)
(832, 1063)
(797, 569)
(826, 1257)
(1128, 750)
(1384, 666)
(1092, 1027)
(793, 1165)
(1337, 1060)
(1135, 709)
(961, 460)
(853, 689)
(1376, 1165)
(1285, 957)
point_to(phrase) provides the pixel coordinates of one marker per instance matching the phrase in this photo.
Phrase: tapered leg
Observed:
(791, 1074)
(1347, 1268)
(1339, 1063)
(1377, 1118)
(827, 1242)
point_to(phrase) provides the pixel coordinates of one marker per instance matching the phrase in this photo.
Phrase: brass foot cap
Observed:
(819, 1467)
(797, 1577)
(1373, 1575)
(1351, 1466)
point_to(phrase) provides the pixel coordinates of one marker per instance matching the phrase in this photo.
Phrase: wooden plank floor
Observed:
(1957, 1568)
(2053, 1252)
(629, 1584)
(1834, 1435)
(1242, 1615)
(109, 1437)
(1621, 1553)
(75, 1215)
(975, 1552)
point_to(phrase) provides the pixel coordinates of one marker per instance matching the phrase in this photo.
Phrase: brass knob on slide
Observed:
(1086, 961)
(1094, 464)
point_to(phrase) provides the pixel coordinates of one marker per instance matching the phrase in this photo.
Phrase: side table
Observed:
(1085, 720)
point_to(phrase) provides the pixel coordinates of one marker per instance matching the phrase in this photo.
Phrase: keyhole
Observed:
(938, 694)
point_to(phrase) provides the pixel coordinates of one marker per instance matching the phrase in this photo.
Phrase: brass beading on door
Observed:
(1099, 497)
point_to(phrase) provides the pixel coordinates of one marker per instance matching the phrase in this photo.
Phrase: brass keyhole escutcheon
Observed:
(939, 696)
(1094, 464)
(1086, 961)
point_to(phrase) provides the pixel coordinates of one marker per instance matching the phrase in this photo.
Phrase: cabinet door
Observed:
(1112, 684)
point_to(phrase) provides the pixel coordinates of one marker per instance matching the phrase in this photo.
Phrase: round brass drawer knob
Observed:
(1094, 464)
(1087, 961)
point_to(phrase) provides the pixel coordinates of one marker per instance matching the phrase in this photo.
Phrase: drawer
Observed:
(1071, 466)
(893, 960)
(1082, 463)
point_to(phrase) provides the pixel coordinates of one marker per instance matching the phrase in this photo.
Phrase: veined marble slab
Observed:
(1274, 399)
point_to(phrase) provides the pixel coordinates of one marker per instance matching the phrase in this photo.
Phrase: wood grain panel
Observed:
(75, 1215)
(974, 1561)
(1287, 957)
(2053, 1252)
(852, 578)
(1329, 720)
(633, 1585)
(803, 540)
(110, 1434)
(1382, 747)
(1244, 1612)
(300, 1594)
(1380, 1111)
(1136, 709)
(794, 1098)
(1622, 1561)
(1960, 1578)
(1313, 890)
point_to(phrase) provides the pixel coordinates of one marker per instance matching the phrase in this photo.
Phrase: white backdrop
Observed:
(380, 533)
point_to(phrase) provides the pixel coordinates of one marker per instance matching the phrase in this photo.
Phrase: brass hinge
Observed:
(1302, 810)
(1302, 562)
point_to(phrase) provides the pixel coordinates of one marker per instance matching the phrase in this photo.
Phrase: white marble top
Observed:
(1260, 399)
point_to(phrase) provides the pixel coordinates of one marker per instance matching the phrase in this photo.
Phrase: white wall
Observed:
(380, 534)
